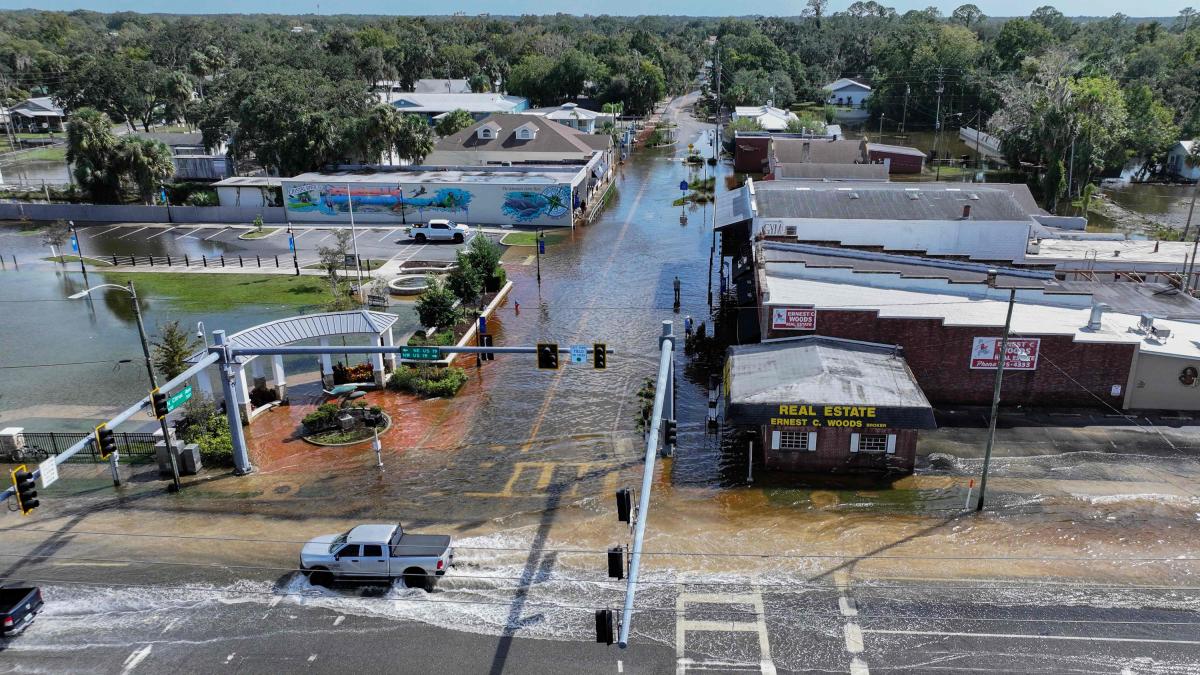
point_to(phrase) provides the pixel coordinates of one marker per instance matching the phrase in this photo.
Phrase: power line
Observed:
(672, 611)
(828, 556)
(70, 363)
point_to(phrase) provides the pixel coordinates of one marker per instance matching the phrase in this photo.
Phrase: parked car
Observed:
(378, 552)
(18, 606)
(439, 230)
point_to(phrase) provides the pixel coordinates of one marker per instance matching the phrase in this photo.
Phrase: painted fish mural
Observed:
(332, 200)
(524, 206)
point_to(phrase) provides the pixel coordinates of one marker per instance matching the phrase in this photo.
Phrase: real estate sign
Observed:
(793, 318)
(1021, 354)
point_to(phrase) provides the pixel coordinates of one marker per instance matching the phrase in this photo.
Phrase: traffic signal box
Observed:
(159, 401)
(26, 489)
(599, 356)
(547, 356)
(604, 626)
(106, 441)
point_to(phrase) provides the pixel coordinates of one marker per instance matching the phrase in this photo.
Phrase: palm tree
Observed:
(1193, 161)
(414, 139)
(146, 162)
(90, 149)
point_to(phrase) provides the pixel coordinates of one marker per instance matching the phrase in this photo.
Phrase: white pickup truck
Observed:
(438, 230)
(378, 552)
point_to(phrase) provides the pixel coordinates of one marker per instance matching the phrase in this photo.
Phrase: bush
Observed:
(202, 198)
(442, 338)
(204, 425)
(323, 417)
(428, 382)
(465, 280)
(435, 306)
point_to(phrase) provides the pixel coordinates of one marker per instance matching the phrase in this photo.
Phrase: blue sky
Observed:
(623, 7)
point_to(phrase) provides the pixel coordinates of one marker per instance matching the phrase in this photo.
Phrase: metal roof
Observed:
(550, 136)
(884, 201)
(821, 171)
(822, 369)
(820, 150)
(308, 327)
(733, 207)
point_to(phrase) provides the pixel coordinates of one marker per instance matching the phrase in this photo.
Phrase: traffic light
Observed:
(599, 356)
(672, 432)
(106, 441)
(26, 489)
(604, 626)
(159, 401)
(547, 353)
(616, 562)
(624, 504)
(485, 340)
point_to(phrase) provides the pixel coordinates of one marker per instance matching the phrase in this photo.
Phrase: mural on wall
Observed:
(333, 200)
(524, 206)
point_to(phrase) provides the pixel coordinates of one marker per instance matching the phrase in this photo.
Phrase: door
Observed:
(372, 562)
(439, 231)
(346, 560)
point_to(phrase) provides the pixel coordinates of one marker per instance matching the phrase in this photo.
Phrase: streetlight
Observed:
(137, 311)
(541, 248)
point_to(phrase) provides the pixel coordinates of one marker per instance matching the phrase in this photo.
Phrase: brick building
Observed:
(1065, 348)
(822, 404)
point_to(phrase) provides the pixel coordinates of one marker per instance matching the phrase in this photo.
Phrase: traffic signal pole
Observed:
(663, 405)
(125, 415)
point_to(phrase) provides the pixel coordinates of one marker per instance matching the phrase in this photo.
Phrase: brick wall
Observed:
(939, 356)
(750, 154)
(901, 163)
(833, 452)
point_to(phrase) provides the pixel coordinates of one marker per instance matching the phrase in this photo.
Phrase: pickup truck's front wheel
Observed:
(319, 576)
(415, 577)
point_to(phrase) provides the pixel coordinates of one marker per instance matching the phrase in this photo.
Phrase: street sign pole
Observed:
(991, 438)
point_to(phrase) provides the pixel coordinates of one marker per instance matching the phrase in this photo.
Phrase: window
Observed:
(348, 551)
(440, 226)
(793, 440)
(372, 551)
(873, 443)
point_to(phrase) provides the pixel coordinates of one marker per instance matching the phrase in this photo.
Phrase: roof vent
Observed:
(1098, 310)
(913, 194)
(853, 195)
(974, 196)
(966, 211)
(1146, 323)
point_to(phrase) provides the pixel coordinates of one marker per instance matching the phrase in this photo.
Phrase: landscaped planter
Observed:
(358, 434)
(408, 284)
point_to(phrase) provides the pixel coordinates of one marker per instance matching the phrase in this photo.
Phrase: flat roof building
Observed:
(824, 403)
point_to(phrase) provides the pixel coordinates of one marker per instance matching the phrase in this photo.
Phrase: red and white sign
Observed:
(793, 318)
(1022, 353)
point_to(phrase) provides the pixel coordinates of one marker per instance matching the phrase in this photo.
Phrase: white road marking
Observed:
(296, 234)
(185, 236)
(170, 624)
(230, 657)
(529, 260)
(846, 605)
(325, 237)
(620, 666)
(275, 601)
(218, 233)
(1017, 636)
(114, 227)
(683, 625)
(163, 232)
(389, 234)
(859, 667)
(312, 657)
(136, 657)
(854, 638)
(339, 620)
(134, 232)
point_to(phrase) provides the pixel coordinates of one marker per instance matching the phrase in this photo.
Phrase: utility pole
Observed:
(1071, 170)
(904, 119)
(137, 312)
(991, 439)
(354, 240)
(881, 116)
(79, 251)
(937, 124)
(978, 133)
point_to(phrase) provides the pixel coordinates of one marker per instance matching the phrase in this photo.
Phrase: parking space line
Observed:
(325, 237)
(389, 234)
(224, 229)
(1019, 636)
(162, 233)
(297, 233)
(188, 234)
(114, 227)
(134, 232)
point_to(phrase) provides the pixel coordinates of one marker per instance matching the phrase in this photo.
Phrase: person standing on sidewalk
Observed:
(676, 292)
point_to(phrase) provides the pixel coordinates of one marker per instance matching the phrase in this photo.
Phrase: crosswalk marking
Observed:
(683, 625)
(545, 475)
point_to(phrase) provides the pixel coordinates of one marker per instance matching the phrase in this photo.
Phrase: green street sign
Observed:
(179, 398)
(420, 353)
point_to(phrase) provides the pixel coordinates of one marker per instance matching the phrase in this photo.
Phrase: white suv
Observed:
(439, 230)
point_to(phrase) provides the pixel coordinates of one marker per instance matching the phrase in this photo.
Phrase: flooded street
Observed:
(1086, 558)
